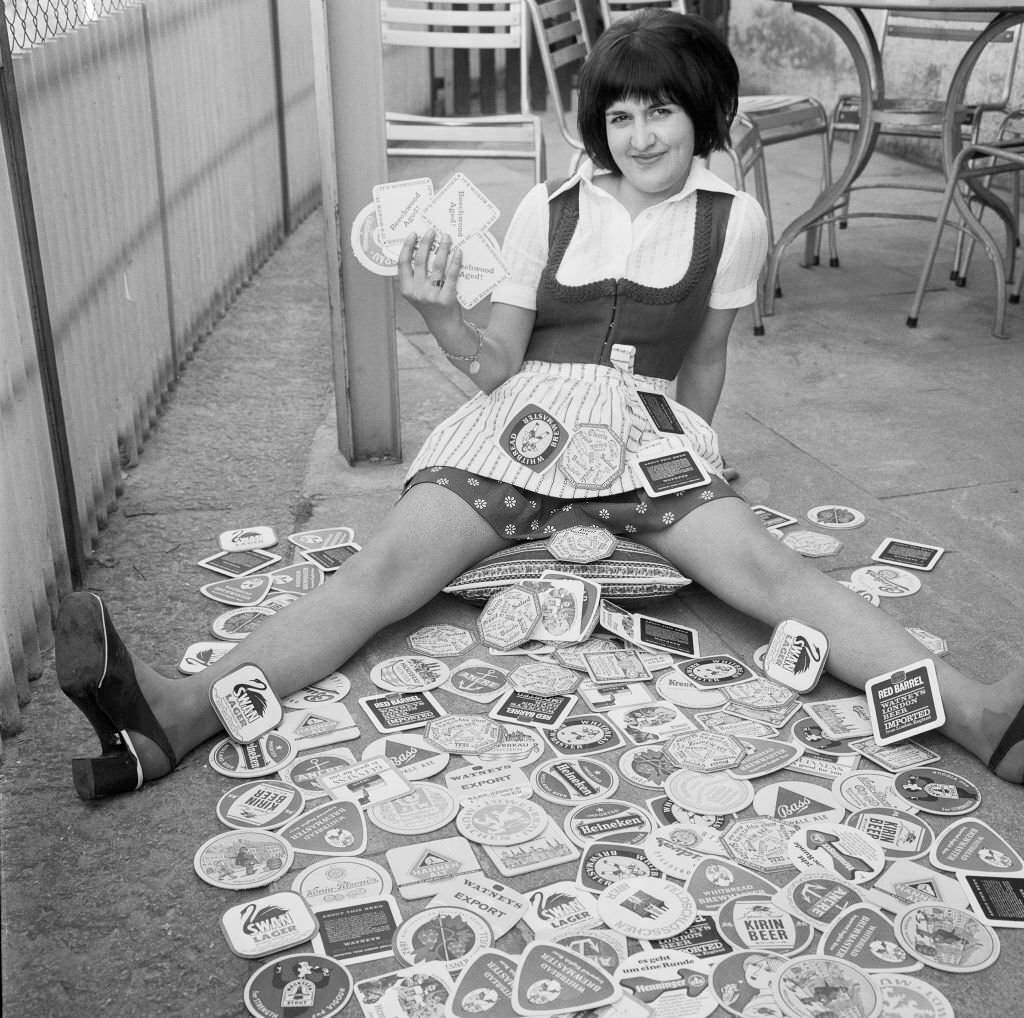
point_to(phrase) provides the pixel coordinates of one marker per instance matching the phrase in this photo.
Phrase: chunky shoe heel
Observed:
(110, 774)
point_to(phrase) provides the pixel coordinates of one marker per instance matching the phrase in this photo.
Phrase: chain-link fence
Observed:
(31, 22)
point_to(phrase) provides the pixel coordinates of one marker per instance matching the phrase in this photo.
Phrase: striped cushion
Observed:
(631, 573)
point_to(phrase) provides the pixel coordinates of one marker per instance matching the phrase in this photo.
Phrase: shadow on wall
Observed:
(781, 51)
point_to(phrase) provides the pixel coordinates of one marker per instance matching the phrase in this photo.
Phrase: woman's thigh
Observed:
(429, 536)
(725, 548)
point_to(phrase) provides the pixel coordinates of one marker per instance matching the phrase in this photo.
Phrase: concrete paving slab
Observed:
(983, 522)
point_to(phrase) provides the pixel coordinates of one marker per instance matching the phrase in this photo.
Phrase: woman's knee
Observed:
(724, 547)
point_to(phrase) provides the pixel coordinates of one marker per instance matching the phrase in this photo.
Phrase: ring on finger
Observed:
(438, 282)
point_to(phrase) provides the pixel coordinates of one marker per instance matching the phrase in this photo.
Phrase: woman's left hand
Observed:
(428, 270)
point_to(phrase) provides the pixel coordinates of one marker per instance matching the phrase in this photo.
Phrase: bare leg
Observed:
(724, 547)
(428, 538)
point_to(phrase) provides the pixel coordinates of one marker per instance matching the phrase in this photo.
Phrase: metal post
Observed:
(28, 241)
(348, 70)
(282, 113)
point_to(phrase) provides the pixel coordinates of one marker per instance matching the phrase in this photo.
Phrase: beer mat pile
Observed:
(558, 805)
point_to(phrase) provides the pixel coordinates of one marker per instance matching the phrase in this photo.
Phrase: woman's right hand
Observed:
(428, 270)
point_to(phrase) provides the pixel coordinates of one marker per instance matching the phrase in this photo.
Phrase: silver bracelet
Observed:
(473, 359)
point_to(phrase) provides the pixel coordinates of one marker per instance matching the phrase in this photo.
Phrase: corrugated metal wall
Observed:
(169, 146)
(30, 528)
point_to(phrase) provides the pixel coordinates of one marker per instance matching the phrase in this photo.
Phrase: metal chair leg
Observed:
(933, 250)
(1013, 162)
(826, 171)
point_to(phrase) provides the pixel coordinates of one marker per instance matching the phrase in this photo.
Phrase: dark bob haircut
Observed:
(658, 55)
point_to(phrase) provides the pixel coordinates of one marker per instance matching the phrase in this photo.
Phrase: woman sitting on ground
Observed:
(623, 278)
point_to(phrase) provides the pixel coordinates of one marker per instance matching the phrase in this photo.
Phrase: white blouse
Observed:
(653, 250)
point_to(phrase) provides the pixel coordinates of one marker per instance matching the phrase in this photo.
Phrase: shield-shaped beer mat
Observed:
(551, 979)
(240, 591)
(715, 882)
(298, 578)
(819, 897)
(484, 986)
(330, 559)
(864, 936)
(329, 537)
(414, 757)
(333, 828)
(971, 845)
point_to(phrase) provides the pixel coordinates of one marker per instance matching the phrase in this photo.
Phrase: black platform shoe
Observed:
(96, 673)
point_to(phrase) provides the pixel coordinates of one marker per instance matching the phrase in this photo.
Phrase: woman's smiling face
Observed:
(652, 144)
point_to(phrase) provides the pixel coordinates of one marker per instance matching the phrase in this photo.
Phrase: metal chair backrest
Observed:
(564, 42)
(613, 10)
(943, 38)
(479, 82)
(481, 29)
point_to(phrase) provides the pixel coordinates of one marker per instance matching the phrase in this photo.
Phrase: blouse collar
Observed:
(700, 179)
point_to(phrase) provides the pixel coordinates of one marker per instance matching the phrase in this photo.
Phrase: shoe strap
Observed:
(135, 756)
(1013, 734)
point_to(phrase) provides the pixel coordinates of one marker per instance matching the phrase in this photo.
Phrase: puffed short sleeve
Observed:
(525, 250)
(743, 254)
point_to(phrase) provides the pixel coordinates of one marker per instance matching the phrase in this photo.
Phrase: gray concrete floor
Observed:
(922, 430)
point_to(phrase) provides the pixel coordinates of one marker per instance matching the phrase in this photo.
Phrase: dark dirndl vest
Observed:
(581, 324)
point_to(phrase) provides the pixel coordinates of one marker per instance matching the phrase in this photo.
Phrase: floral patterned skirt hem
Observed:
(519, 515)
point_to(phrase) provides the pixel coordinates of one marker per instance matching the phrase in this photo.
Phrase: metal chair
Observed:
(918, 38)
(1011, 129)
(746, 154)
(563, 41)
(782, 118)
(981, 162)
(496, 31)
